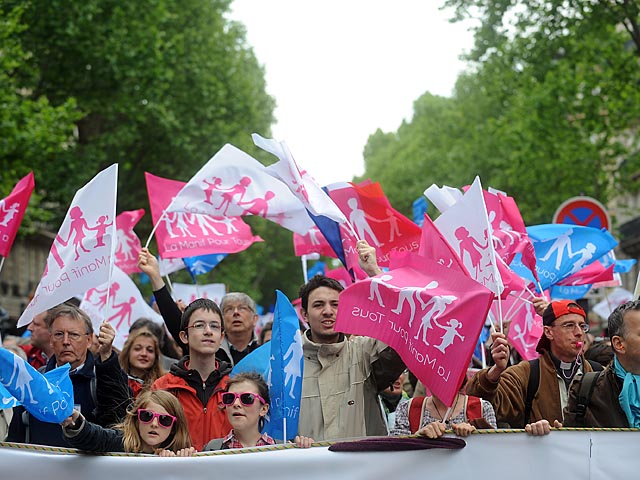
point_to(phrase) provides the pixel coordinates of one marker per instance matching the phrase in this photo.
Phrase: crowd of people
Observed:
(144, 399)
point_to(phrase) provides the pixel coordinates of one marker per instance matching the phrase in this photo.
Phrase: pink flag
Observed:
(341, 275)
(509, 232)
(525, 328)
(300, 182)
(12, 210)
(182, 235)
(83, 251)
(128, 244)
(370, 214)
(433, 245)
(312, 242)
(466, 227)
(593, 273)
(120, 305)
(431, 315)
(232, 184)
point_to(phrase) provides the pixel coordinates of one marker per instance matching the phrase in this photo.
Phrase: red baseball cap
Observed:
(554, 311)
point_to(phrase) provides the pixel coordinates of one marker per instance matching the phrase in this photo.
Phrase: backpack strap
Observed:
(595, 366)
(474, 408)
(532, 388)
(584, 395)
(416, 408)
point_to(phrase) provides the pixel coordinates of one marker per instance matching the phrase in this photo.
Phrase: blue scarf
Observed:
(630, 395)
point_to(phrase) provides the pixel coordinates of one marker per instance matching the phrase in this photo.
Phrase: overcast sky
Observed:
(341, 69)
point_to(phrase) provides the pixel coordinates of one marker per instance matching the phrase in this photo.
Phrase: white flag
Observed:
(233, 184)
(300, 182)
(82, 252)
(120, 305)
(188, 293)
(466, 227)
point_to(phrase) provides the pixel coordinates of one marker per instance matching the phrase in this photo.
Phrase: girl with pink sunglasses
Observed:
(155, 424)
(247, 403)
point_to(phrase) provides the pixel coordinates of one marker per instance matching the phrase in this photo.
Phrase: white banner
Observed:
(563, 454)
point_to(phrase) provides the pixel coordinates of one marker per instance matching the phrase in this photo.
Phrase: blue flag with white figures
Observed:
(280, 362)
(562, 250)
(47, 397)
(287, 363)
(203, 263)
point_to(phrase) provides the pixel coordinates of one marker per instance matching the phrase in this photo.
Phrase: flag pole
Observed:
(155, 227)
(1, 264)
(169, 284)
(303, 259)
(636, 291)
(500, 314)
(112, 256)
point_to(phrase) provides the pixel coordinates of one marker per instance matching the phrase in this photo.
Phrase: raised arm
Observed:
(168, 308)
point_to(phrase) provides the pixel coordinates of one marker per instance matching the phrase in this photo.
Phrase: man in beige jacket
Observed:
(342, 376)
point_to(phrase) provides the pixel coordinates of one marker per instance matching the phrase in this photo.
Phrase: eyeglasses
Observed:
(240, 308)
(73, 336)
(229, 398)
(572, 325)
(164, 419)
(201, 325)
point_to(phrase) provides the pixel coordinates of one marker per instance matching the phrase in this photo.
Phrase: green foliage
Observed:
(34, 134)
(549, 109)
(161, 88)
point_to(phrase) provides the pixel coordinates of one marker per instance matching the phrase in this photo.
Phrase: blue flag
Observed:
(47, 397)
(419, 209)
(257, 362)
(562, 250)
(318, 268)
(569, 292)
(287, 363)
(280, 362)
(203, 263)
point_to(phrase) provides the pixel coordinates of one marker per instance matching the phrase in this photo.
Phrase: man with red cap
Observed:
(561, 358)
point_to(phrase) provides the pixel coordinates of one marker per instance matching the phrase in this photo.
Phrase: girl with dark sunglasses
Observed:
(155, 424)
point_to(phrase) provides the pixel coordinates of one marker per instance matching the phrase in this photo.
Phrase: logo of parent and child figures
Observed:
(260, 206)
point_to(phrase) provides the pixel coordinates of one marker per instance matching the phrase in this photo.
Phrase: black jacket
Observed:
(98, 392)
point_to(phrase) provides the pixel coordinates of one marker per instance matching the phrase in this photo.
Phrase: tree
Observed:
(544, 112)
(160, 89)
(34, 134)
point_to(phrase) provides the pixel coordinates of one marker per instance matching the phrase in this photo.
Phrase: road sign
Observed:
(584, 211)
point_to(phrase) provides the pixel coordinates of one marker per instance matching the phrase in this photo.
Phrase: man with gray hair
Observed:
(95, 379)
(239, 315)
(612, 400)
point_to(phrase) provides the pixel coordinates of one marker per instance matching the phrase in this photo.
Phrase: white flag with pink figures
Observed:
(188, 293)
(120, 305)
(466, 227)
(300, 182)
(432, 319)
(83, 250)
(233, 184)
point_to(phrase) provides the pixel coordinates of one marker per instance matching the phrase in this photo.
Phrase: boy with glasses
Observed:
(199, 379)
(520, 400)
